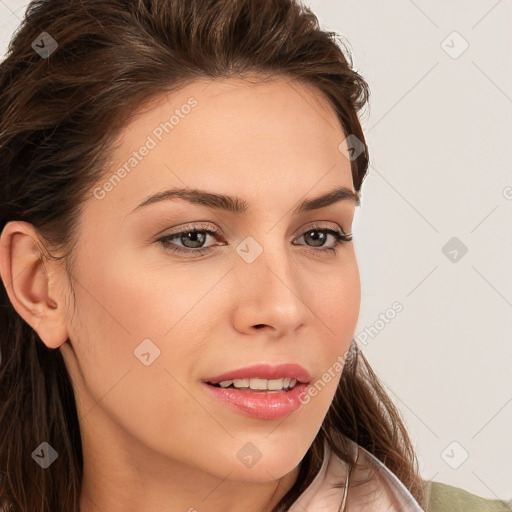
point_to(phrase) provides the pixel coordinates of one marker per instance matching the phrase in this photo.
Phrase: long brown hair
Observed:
(61, 112)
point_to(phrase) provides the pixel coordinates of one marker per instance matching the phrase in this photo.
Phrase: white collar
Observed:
(384, 493)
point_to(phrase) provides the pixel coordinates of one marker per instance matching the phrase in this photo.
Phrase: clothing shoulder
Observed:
(447, 498)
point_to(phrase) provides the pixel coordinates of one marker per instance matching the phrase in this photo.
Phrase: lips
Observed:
(264, 371)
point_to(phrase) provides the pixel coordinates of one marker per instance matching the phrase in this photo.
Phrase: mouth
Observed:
(261, 403)
(281, 385)
(261, 391)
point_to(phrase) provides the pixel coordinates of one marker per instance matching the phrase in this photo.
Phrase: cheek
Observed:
(119, 311)
(126, 311)
(335, 302)
(140, 300)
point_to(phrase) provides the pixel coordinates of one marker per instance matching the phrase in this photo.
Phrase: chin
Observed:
(264, 464)
(260, 473)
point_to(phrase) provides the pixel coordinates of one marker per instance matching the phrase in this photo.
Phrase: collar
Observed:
(383, 493)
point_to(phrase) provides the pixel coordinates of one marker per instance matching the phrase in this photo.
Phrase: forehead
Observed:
(230, 136)
(267, 108)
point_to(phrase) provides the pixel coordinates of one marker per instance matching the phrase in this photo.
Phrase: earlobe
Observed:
(29, 284)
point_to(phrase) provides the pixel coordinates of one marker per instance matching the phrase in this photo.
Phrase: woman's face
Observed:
(155, 320)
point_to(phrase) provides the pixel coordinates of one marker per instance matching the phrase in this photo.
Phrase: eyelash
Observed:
(339, 236)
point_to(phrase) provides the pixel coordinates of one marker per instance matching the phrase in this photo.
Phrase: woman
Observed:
(146, 143)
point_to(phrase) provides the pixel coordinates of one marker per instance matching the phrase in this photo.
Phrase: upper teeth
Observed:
(260, 383)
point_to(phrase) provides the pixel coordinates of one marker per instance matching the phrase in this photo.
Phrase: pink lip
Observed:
(267, 405)
(262, 404)
(264, 371)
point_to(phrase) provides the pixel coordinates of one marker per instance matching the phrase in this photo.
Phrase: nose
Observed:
(270, 295)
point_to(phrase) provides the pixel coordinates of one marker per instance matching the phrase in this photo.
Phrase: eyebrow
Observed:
(237, 205)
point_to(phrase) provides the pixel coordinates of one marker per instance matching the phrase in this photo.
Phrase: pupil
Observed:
(192, 236)
(319, 236)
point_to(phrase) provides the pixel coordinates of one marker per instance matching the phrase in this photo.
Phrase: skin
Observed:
(152, 438)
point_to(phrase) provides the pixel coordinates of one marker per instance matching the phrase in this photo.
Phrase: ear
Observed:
(28, 283)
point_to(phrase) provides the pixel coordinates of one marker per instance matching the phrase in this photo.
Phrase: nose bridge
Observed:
(265, 268)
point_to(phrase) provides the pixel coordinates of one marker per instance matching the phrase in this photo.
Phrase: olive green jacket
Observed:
(446, 498)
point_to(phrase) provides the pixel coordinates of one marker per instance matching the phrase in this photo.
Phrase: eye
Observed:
(192, 240)
(318, 235)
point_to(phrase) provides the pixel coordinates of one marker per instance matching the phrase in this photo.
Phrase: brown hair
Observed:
(59, 115)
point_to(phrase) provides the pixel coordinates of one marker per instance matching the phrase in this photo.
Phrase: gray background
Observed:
(439, 129)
